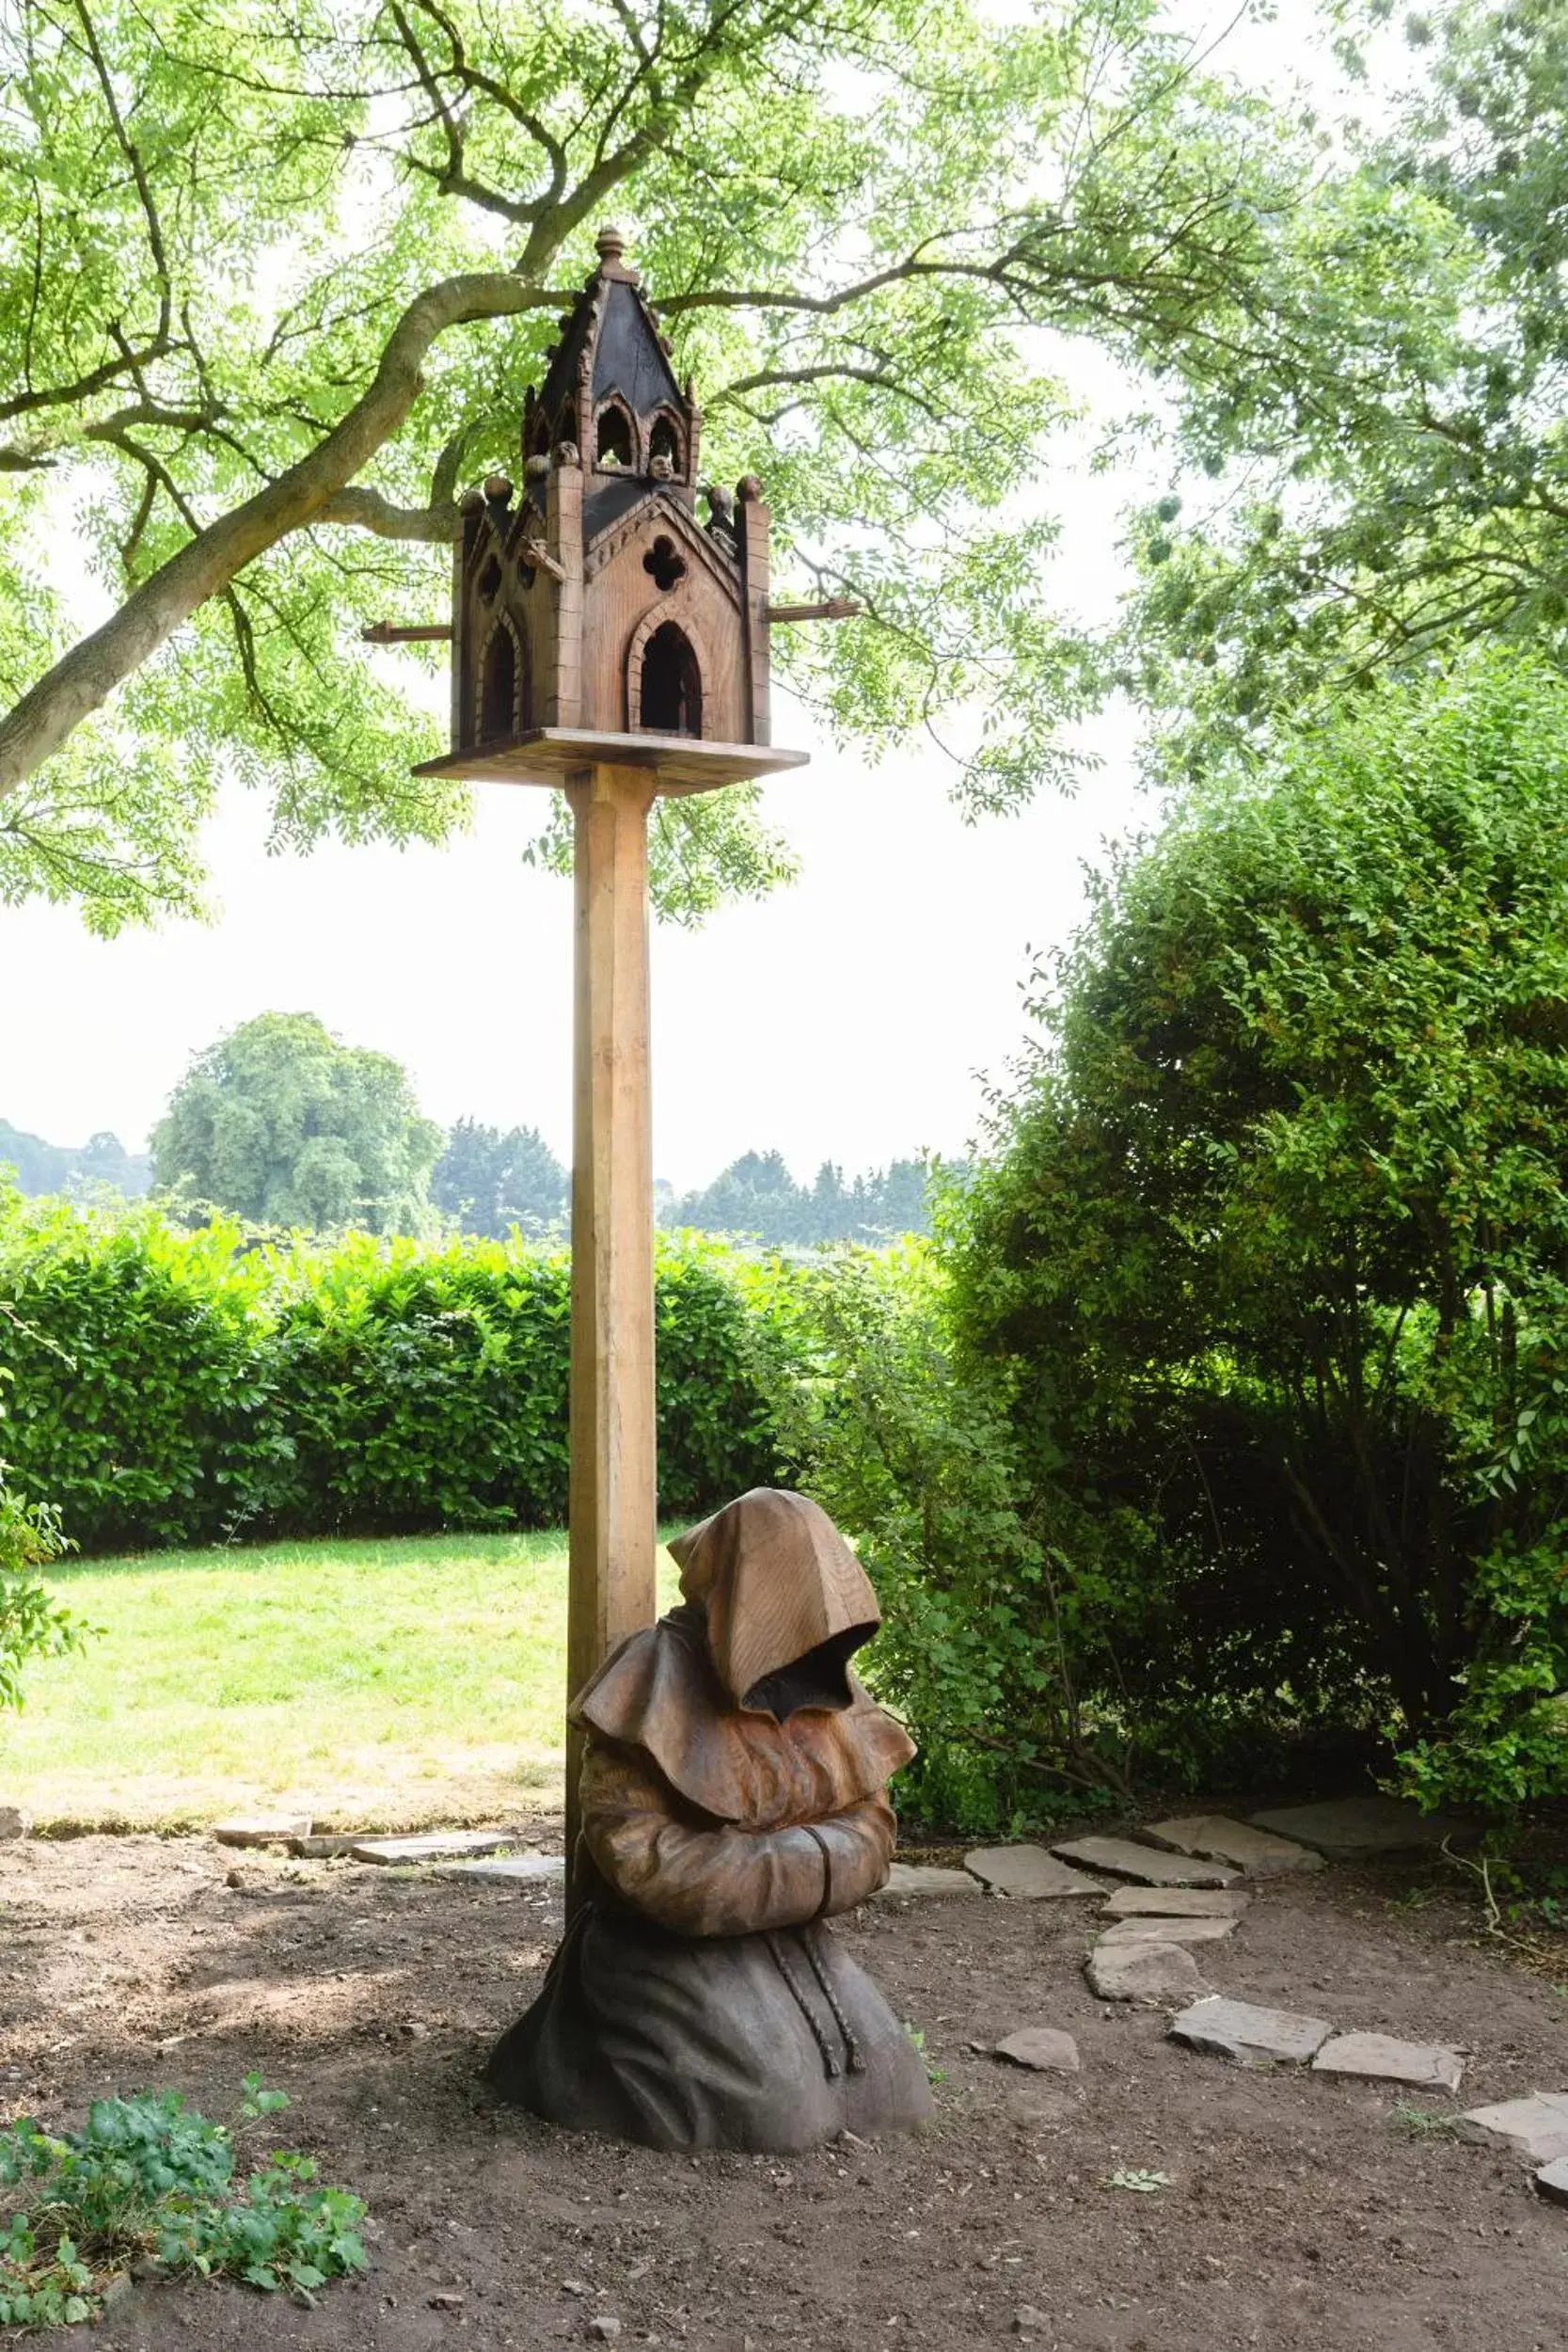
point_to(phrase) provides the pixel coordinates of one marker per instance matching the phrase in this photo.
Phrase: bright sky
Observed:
(854, 1016)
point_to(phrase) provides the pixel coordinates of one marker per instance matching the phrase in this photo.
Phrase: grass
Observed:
(368, 1683)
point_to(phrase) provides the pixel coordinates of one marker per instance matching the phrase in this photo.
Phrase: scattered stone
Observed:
(1349, 1827)
(605, 2328)
(1028, 1873)
(446, 2302)
(1176, 1902)
(116, 2290)
(13, 1823)
(1125, 1860)
(532, 1866)
(416, 2029)
(1249, 2035)
(922, 1878)
(263, 1829)
(1027, 2321)
(1258, 1852)
(324, 1849)
(1377, 2058)
(1170, 1931)
(1158, 1974)
(1552, 2179)
(1536, 2127)
(434, 1846)
(1043, 2048)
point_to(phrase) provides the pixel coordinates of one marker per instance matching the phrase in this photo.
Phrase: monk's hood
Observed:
(774, 1579)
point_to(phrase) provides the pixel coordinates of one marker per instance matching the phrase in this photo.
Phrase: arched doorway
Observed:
(497, 692)
(670, 701)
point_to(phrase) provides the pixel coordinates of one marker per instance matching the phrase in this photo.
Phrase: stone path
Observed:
(436, 1846)
(1180, 1891)
(1126, 1859)
(1258, 1852)
(1350, 1828)
(1029, 1874)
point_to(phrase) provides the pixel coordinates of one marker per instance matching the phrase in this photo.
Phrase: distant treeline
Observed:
(490, 1180)
(757, 1195)
(55, 1167)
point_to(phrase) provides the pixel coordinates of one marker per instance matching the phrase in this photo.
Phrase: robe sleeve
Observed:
(700, 1879)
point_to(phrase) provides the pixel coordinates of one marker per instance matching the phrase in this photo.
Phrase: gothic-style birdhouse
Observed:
(596, 598)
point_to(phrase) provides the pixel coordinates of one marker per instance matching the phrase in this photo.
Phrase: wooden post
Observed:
(613, 1495)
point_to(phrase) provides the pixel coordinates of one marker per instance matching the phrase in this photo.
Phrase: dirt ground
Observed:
(1300, 2211)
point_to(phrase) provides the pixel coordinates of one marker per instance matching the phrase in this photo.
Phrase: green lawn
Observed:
(371, 1683)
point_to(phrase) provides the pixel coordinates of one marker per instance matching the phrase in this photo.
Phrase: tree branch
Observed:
(85, 678)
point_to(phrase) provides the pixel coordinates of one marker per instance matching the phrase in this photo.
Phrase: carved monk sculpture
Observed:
(733, 1802)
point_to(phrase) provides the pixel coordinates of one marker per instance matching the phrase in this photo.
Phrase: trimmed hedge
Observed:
(174, 1387)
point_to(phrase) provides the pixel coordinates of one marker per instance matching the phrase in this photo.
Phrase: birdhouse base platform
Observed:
(553, 755)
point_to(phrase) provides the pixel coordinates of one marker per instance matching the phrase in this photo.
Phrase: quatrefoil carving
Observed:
(664, 563)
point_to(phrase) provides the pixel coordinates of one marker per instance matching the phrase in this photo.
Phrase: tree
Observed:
(282, 1123)
(1274, 1245)
(1386, 524)
(268, 302)
(490, 1182)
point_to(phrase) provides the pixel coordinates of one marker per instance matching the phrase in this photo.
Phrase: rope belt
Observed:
(831, 2065)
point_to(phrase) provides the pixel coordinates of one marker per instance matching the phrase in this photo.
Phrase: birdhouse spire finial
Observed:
(610, 245)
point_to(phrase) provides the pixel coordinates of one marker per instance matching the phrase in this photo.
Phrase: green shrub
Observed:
(135, 1354)
(992, 1640)
(1273, 1254)
(173, 1387)
(151, 2179)
(30, 1624)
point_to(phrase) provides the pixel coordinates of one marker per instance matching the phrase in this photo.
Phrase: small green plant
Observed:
(151, 2179)
(1421, 2123)
(1141, 2181)
(934, 2074)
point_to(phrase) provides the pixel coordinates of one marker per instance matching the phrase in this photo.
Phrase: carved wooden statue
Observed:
(732, 1796)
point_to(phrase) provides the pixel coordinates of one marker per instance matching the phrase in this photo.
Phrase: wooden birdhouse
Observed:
(598, 599)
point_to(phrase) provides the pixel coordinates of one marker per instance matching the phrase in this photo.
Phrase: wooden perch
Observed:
(538, 554)
(385, 633)
(834, 608)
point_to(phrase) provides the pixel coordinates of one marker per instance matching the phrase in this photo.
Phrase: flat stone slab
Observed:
(1029, 1873)
(1169, 1932)
(535, 1868)
(440, 1845)
(1250, 2035)
(924, 1878)
(1536, 2127)
(263, 1829)
(1258, 1852)
(329, 1847)
(1158, 1975)
(1552, 2179)
(1349, 1828)
(1377, 2058)
(1175, 1902)
(1045, 2048)
(1125, 1860)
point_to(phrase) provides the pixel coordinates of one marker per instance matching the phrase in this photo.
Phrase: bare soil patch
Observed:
(1300, 2212)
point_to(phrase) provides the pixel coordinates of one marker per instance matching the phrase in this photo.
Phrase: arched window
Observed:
(665, 441)
(670, 697)
(497, 693)
(612, 444)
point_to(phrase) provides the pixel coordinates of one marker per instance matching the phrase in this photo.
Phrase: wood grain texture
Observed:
(612, 1489)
